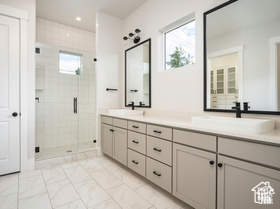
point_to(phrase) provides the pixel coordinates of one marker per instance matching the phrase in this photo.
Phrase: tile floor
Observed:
(96, 183)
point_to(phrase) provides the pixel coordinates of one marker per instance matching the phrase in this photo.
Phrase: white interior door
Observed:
(9, 96)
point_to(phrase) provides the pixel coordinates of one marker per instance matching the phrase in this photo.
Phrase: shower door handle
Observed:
(75, 105)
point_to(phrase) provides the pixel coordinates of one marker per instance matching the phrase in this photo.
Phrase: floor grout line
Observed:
(74, 186)
(47, 189)
(102, 187)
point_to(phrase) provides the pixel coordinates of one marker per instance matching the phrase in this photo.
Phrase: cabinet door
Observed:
(231, 81)
(194, 176)
(212, 86)
(238, 184)
(120, 145)
(220, 82)
(107, 139)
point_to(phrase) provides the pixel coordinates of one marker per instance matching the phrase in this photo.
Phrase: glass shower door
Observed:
(56, 90)
(65, 101)
(87, 108)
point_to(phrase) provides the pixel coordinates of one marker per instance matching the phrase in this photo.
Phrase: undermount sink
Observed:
(125, 112)
(245, 125)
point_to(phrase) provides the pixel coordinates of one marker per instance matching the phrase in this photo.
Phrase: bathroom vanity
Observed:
(202, 167)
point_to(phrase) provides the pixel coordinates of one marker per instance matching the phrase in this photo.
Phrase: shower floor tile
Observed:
(64, 150)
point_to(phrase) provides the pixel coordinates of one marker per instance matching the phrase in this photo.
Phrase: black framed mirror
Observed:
(138, 75)
(242, 56)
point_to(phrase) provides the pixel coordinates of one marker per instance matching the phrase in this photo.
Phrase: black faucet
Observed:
(238, 110)
(132, 105)
(246, 107)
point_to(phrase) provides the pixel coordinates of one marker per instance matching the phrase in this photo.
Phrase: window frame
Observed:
(74, 54)
(170, 30)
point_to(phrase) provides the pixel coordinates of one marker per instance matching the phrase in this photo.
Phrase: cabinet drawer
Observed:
(137, 142)
(136, 162)
(159, 131)
(260, 153)
(120, 123)
(159, 174)
(202, 141)
(136, 126)
(159, 149)
(107, 120)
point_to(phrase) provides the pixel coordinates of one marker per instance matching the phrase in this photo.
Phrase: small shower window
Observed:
(70, 63)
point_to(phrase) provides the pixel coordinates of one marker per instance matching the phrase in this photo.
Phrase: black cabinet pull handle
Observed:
(156, 173)
(158, 132)
(135, 126)
(211, 162)
(112, 130)
(135, 162)
(220, 165)
(158, 150)
(136, 142)
(15, 114)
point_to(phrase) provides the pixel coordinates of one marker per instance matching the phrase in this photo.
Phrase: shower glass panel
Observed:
(65, 101)
(86, 103)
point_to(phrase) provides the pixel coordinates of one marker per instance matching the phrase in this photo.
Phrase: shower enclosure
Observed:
(65, 101)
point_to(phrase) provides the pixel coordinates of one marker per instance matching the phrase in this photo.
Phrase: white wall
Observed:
(180, 89)
(30, 6)
(109, 64)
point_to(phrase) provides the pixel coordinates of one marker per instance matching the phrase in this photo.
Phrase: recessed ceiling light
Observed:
(78, 18)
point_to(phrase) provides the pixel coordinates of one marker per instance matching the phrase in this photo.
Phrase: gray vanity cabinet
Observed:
(194, 170)
(120, 145)
(136, 142)
(243, 168)
(201, 169)
(194, 176)
(237, 180)
(114, 138)
(107, 139)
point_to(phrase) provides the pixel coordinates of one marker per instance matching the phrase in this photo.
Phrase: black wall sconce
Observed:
(135, 37)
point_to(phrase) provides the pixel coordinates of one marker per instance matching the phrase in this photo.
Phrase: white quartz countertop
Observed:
(271, 138)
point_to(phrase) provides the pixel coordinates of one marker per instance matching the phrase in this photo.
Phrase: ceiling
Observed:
(66, 11)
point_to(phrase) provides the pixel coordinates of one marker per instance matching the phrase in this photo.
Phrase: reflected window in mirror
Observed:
(138, 75)
(180, 46)
(241, 62)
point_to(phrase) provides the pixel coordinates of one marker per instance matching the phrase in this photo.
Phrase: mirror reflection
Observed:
(138, 79)
(242, 55)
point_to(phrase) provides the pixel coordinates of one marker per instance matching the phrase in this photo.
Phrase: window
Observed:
(70, 63)
(180, 46)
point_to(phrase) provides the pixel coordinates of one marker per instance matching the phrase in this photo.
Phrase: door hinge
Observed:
(37, 149)
(37, 50)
